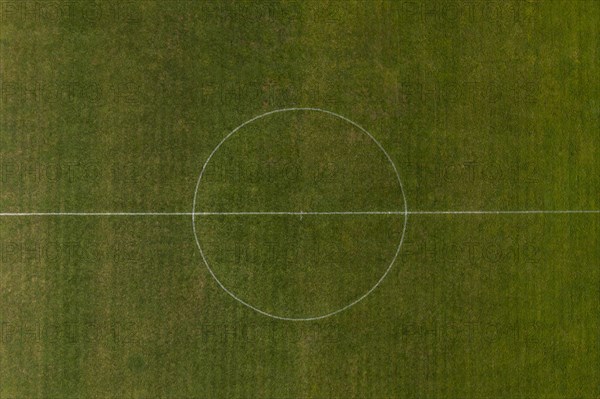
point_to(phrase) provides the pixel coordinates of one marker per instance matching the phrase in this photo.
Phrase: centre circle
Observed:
(299, 213)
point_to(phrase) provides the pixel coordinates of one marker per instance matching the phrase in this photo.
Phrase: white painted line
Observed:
(95, 214)
(355, 301)
(300, 213)
(401, 213)
(521, 212)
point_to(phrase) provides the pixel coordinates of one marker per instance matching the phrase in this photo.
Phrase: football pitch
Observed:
(300, 199)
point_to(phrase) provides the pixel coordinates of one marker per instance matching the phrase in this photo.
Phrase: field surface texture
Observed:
(300, 199)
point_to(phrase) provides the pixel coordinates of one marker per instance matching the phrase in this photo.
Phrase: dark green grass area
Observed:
(110, 106)
(299, 161)
(300, 267)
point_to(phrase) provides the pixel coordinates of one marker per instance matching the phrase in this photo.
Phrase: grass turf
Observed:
(482, 105)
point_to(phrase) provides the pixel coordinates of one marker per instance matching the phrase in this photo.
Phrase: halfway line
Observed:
(95, 213)
(500, 212)
(6, 214)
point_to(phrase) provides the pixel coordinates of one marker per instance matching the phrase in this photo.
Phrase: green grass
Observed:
(481, 105)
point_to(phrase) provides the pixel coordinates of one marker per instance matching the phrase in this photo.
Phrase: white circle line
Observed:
(405, 213)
